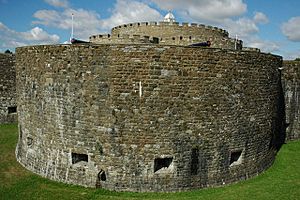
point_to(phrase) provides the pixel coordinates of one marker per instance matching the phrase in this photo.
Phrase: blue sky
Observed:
(273, 26)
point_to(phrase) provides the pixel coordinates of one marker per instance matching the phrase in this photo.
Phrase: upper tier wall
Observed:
(7, 88)
(147, 117)
(155, 27)
(121, 39)
(225, 43)
(291, 87)
(175, 34)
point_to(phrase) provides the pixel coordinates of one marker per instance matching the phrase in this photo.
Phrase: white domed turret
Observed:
(169, 17)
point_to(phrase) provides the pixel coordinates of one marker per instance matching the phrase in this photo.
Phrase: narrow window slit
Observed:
(194, 161)
(102, 175)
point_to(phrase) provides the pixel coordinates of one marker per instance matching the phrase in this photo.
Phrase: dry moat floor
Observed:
(281, 181)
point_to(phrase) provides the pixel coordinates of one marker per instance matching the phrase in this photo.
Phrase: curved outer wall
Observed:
(7, 88)
(169, 30)
(173, 34)
(146, 118)
(291, 84)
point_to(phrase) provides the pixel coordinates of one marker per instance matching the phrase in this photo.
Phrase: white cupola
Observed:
(169, 17)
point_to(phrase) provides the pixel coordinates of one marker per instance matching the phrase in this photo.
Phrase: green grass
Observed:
(281, 181)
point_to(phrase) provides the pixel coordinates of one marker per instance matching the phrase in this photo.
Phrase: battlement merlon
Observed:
(121, 39)
(99, 36)
(174, 24)
(225, 43)
(251, 49)
(169, 32)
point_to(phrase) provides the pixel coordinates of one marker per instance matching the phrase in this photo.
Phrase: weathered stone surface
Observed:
(291, 87)
(168, 34)
(8, 112)
(147, 117)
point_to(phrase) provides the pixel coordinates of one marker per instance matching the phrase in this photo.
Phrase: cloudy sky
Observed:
(271, 25)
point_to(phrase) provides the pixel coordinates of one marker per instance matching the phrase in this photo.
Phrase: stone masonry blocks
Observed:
(8, 109)
(291, 87)
(147, 117)
(170, 34)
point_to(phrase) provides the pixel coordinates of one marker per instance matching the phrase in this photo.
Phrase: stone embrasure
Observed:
(147, 117)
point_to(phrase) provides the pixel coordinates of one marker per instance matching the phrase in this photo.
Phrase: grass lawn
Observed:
(281, 181)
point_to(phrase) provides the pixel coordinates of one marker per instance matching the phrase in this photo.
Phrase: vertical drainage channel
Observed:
(100, 177)
(194, 161)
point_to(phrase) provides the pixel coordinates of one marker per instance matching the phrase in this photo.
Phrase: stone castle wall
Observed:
(173, 34)
(291, 86)
(122, 39)
(7, 88)
(147, 117)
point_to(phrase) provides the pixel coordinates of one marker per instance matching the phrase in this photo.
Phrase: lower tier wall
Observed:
(147, 117)
(291, 87)
(8, 109)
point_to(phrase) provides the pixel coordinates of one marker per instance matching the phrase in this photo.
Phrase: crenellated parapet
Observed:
(251, 49)
(120, 39)
(167, 25)
(227, 43)
(169, 33)
(174, 33)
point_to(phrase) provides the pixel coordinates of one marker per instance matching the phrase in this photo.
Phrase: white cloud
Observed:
(291, 29)
(292, 55)
(216, 12)
(263, 45)
(243, 27)
(247, 30)
(3, 27)
(126, 11)
(10, 38)
(260, 18)
(58, 3)
(205, 10)
(38, 34)
(47, 17)
(223, 13)
(86, 22)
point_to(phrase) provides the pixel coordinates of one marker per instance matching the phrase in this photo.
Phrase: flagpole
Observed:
(235, 42)
(72, 30)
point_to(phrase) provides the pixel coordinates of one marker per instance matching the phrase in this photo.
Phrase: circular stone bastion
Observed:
(147, 117)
